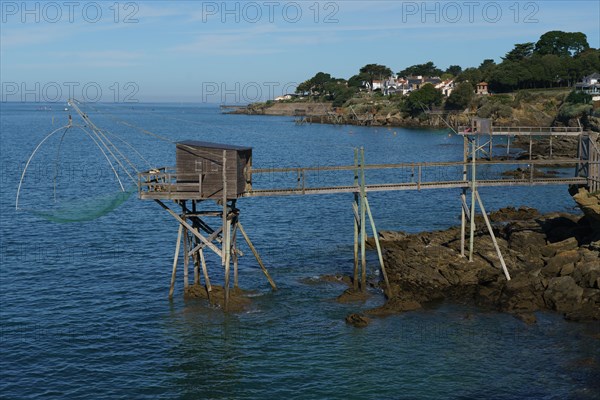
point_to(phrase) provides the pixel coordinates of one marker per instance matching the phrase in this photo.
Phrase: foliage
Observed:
(472, 75)
(495, 110)
(426, 96)
(577, 97)
(314, 85)
(562, 44)
(521, 51)
(461, 96)
(454, 70)
(339, 93)
(427, 69)
(375, 71)
(570, 111)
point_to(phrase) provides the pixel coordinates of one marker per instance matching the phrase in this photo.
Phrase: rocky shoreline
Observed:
(553, 260)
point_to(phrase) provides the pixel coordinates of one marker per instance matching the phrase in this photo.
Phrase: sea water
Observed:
(84, 311)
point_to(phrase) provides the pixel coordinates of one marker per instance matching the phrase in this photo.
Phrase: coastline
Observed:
(553, 261)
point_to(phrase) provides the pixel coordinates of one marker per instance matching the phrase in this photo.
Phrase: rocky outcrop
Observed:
(553, 260)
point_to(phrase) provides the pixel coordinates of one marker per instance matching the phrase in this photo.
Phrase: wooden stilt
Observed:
(196, 257)
(256, 255)
(356, 222)
(225, 251)
(363, 230)
(463, 221)
(227, 244)
(234, 253)
(205, 272)
(473, 189)
(190, 228)
(388, 288)
(489, 227)
(186, 259)
(463, 197)
(174, 273)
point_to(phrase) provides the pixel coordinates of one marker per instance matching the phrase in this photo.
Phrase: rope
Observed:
(48, 136)
(105, 155)
(57, 161)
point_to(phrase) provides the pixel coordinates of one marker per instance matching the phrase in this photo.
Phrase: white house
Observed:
(285, 97)
(590, 85)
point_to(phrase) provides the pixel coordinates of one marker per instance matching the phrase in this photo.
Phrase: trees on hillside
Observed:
(461, 96)
(375, 71)
(427, 69)
(425, 97)
(562, 44)
(556, 59)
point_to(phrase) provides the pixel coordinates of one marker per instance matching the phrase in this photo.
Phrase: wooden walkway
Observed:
(165, 183)
(477, 169)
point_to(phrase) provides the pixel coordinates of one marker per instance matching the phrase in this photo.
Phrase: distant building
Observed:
(288, 96)
(590, 85)
(446, 87)
(482, 88)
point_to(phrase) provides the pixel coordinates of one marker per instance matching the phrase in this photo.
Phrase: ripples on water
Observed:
(84, 312)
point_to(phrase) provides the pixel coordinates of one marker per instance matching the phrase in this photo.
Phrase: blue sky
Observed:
(216, 51)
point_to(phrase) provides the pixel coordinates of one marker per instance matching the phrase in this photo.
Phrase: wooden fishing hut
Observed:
(205, 173)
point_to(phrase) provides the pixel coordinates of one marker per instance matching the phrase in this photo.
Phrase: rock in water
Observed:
(357, 320)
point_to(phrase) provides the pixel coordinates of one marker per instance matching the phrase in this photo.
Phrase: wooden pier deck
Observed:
(164, 183)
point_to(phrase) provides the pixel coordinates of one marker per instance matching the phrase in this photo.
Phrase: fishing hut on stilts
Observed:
(206, 174)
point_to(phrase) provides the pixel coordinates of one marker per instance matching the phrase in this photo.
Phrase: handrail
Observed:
(419, 174)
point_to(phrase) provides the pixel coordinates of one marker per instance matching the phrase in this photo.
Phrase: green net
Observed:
(81, 210)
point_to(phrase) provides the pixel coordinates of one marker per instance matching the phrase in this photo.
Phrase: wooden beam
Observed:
(491, 231)
(186, 259)
(363, 228)
(175, 258)
(379, 252)
(190, 228)
(256, 255)
(205, 272)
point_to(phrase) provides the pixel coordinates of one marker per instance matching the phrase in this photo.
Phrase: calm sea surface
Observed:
(84, 310)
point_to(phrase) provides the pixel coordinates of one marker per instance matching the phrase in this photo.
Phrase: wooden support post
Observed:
(463, 197)
(234, 252)
(473, 190)
(190, 228)
(463, 221)
(363, 228)
(196, 264)
(490, 230)
(225, 250)
(256, 255)
(186, 259)
(227, 243)
(356, 222)
(174, 273)
(205, 272)
(388, 288)
(530, 147)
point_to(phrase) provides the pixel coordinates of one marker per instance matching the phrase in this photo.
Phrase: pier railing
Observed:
(166, 183)
(527, 131)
